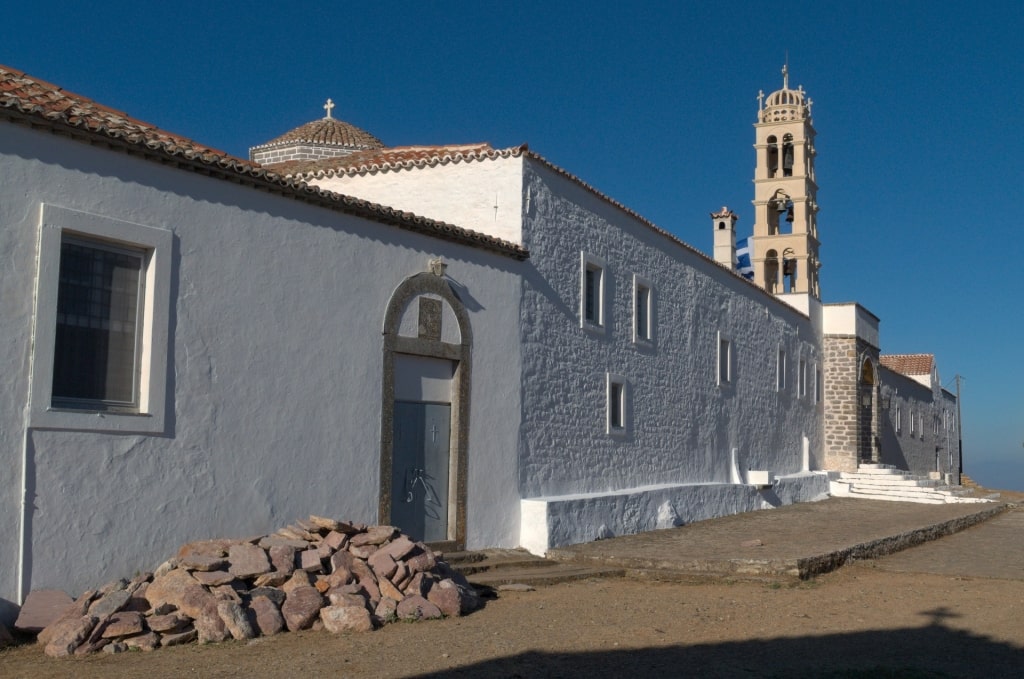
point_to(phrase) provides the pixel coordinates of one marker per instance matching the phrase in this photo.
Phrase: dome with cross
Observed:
(326, 137)
(785, 104)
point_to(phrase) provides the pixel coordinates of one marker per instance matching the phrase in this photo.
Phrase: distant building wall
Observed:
(919, 427)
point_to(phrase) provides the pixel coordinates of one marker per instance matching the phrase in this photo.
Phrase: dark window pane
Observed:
(97, 319)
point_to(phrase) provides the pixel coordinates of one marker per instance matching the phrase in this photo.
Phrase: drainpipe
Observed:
(23, 536)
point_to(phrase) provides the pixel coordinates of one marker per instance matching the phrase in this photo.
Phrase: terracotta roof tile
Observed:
(393, 158)
(26, 99)
(908, 364)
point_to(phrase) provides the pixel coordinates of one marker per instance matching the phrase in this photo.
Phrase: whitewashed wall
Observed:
(682, 424)
(482, 195)
(931, 445)
(274, 377)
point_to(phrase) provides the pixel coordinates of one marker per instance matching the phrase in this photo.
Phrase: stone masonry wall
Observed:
(840, 402)
(850, 428)
(281, 154)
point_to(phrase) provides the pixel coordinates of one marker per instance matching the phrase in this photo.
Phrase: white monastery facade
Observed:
(470, 343)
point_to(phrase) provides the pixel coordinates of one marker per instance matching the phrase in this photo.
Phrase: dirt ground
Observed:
(858, 622)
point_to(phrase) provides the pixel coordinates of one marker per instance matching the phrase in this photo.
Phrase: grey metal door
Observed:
(419, 470)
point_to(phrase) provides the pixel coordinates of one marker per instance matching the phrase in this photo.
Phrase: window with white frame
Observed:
(780, 371)
(592, 292)
(617, 405)
(724, 361)
(802, 378)
(899, 419)
(643, 311)
(818, 383)
(911, 415)
(101, 323)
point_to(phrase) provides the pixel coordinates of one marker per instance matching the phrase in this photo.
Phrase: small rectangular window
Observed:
(616, 405)
(818, 386)
(724, 361)
(780, 372)
(911, 422)
(643, 311)
(99, 313)
(899, 419)
(592, 293)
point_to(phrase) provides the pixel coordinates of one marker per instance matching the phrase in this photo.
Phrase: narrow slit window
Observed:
(643, 311)
(616, 405)
(724, 361)
(592, 293)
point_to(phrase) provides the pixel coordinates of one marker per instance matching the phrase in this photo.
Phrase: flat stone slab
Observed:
(797, 541)
(41, 608)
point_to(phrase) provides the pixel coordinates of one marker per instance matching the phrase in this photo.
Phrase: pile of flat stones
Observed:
(315, 574)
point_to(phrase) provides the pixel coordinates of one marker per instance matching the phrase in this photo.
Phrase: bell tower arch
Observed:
(784, 246)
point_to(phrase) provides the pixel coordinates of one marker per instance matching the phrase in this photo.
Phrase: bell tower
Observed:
(784, 246)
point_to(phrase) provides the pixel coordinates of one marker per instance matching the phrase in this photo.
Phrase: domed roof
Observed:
(317, 139)
(785, 104)
(331, 132)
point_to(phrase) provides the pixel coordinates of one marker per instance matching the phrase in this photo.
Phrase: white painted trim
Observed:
(780, 369)
(54, 222)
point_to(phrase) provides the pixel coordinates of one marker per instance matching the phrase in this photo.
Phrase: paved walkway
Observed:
(993, 549)
(798, 540)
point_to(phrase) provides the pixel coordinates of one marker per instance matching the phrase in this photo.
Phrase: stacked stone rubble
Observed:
(319, 573)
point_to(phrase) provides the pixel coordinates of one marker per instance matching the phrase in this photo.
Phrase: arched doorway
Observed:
(867, 440)
(425, 411)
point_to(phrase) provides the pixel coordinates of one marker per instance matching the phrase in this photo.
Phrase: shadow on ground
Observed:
(932, 651)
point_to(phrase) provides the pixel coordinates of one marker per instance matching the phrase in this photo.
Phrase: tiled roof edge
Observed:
(450, 155)
(484, 152)
(230, 168)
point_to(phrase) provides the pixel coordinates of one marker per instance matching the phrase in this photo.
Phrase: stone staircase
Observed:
(886, 482)
(494, 568)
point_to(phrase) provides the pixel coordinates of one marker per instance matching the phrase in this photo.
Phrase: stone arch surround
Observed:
(429, 342)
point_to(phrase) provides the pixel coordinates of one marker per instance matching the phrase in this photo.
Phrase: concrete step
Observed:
(455, 559)
(552, 574)
(494, 567)
(885, 482)
(893, 481)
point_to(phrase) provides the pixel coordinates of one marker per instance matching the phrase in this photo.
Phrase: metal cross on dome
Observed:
(327, 107)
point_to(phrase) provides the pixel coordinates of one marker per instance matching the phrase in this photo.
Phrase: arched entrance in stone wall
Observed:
(425, 411)
(867, 421)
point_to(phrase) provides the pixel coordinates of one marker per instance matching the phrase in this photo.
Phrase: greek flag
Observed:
(743, 265)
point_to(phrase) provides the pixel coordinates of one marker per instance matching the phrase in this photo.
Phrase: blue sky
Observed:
(917, 107)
